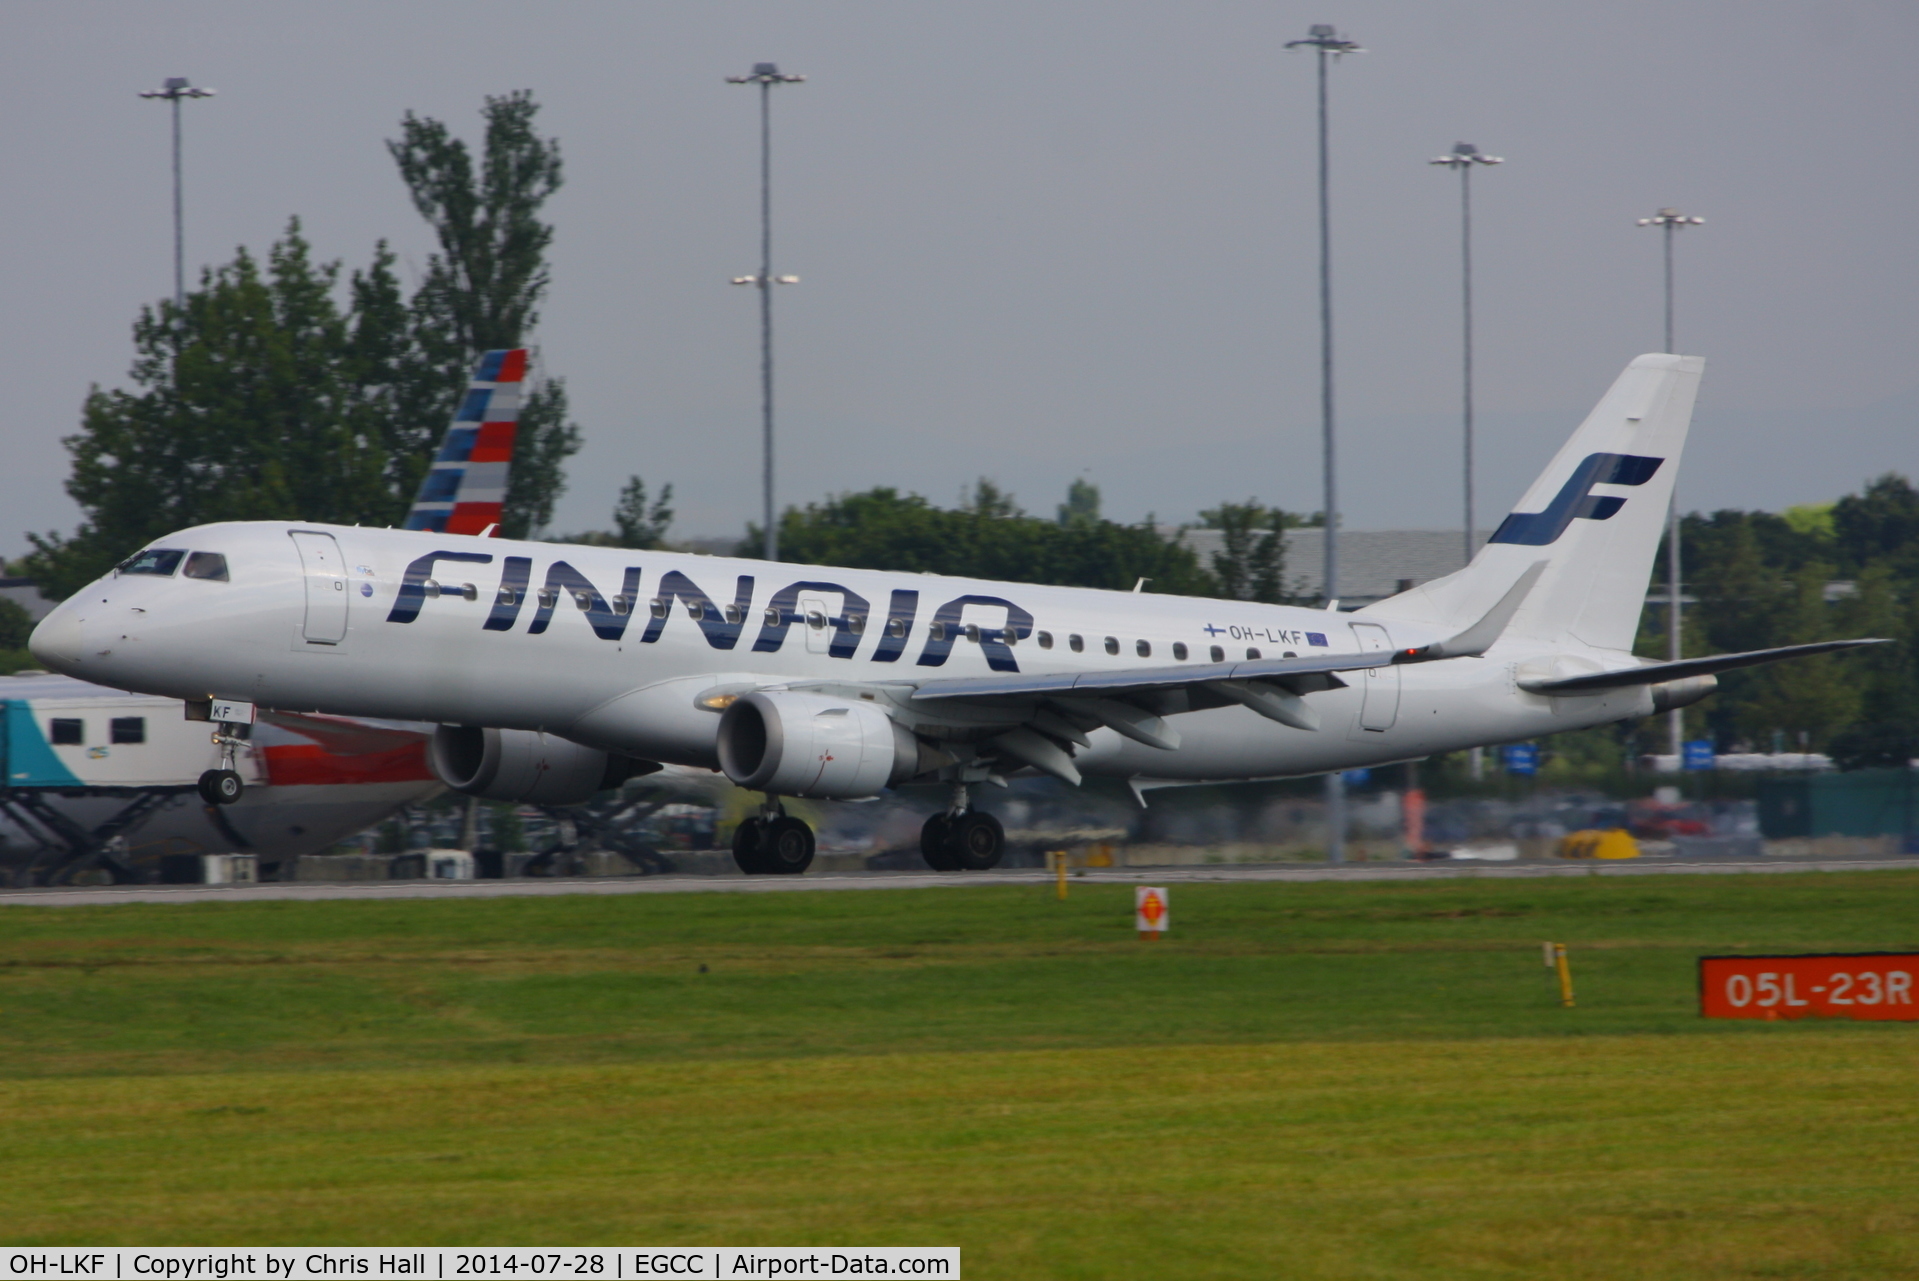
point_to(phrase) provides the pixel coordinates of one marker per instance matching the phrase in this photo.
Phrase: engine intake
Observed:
(526, 765)
(798, 744)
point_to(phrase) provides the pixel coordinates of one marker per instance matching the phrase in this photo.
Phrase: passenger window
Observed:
(65, 732)
(1046, 640)
(1143, 648)
(815, 619)
(1076, 642)
(735, 615)
(128, 729)
(1218, 655)
(211, 566)
(155, 560)
(1112, 644)
(1179, 650)
(972, 632)
(1252, 653)
(896, 627)
(856, 624)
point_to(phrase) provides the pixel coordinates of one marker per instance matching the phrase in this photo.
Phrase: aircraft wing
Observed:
(1659, 673)
(1317, 672)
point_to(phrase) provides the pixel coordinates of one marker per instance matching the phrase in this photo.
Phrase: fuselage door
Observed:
(1381, 686)
(816, 615)
(327, 593)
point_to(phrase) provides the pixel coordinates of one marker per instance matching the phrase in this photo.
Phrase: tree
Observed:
(1251, 562)
(987, 537)
(642, 525)
(1082, 504)
(482, 291)
(263, 399)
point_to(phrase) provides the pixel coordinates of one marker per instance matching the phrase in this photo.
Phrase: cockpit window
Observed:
(206, 565)
(154, 560)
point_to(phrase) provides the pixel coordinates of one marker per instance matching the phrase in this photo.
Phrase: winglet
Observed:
(1479, 638)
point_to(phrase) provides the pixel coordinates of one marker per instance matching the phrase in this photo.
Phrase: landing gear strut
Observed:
(773, 843)
(961, 838)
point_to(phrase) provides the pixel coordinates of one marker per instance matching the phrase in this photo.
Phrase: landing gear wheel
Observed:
(746, 847)
(934, 847)
(221, 787)
(786, 846)
(976, 840)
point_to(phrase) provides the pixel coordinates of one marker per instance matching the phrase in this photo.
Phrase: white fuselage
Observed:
(527, 635)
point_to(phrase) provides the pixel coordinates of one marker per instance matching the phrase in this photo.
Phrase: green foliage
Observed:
(1252, 562)
(1818, 572)
(1082, 504)
(641, 524)
(15, 625)
(987, 537)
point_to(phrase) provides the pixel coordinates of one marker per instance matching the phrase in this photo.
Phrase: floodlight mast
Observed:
(766, 75)
(1464, 156)
(1669, 221)
(176, 89)
(1326, 42)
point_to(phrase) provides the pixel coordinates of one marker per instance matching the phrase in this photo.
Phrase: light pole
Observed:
(1327, 43)
(1670, 221)
(766, 75)
(176, 89)
(1464, 156)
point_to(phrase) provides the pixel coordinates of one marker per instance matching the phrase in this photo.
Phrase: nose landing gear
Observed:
(961, 838)
(773, 843)
(224, 786)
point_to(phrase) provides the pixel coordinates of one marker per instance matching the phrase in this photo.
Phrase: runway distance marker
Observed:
(1875, 986)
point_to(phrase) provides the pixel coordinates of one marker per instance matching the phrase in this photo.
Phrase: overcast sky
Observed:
(1040, 239)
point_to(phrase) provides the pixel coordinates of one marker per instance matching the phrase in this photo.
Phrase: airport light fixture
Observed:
(175, 91)
(766, 75)
(1327, 43)
(1670, 221)
(1464, 156)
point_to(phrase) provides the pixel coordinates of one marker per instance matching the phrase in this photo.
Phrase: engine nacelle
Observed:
(799, 744)
(525, 765)
(1683, 692)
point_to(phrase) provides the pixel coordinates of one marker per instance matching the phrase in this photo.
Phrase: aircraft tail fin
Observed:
(463, 491)
(1592, 521)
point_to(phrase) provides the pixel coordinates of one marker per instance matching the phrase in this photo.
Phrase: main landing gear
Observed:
(773, 843)
(961, 838)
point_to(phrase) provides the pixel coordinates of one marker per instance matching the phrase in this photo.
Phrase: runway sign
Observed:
(1842, 985)
(1149, 909)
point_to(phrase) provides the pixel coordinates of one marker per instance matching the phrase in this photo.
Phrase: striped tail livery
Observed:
(464, 490)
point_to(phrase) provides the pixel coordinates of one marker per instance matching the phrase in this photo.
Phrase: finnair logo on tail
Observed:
(1576, 499)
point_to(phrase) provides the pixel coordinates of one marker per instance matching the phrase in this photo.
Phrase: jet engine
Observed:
(1683, 692)
(525, 765)
(799, 744)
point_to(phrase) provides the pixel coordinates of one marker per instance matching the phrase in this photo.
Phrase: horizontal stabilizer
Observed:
(1660, 673)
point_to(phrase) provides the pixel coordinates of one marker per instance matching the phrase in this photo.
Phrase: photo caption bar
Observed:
(573, 1263)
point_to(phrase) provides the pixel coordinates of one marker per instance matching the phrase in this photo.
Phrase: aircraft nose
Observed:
(56, 642)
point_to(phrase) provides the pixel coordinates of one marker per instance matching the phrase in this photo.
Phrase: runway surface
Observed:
(312, 890)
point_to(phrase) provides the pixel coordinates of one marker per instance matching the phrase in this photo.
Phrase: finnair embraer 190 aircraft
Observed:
(554, 671)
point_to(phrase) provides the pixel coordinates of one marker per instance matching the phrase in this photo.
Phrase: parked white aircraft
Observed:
(911, 678)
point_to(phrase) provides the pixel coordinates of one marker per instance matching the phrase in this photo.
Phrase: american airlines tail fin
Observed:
(1591, 523)
(464, 490)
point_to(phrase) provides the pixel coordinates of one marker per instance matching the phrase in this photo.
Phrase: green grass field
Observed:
(1303, 1080)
